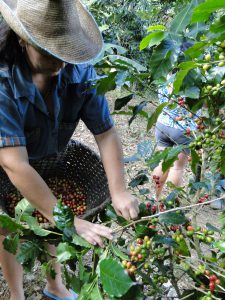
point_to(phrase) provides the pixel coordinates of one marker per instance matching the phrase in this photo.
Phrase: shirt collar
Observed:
(24, 87)
(22, 80)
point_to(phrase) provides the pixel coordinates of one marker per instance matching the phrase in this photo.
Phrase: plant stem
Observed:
(165, 212)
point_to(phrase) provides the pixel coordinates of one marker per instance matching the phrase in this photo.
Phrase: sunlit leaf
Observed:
(218, 26)
(156, 27)
(65, 252)
(116, 282)
(220, 245)
(152, 39)
(203, 11)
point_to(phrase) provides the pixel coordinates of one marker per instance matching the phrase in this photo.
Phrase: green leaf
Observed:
(48, 269)
(203, 11)
(139, 180)
(172, 218)
(106, 84)
(127, 62)
(152, 39)
(134, 293)
(63, 216)
(79, 241)
(144, 191)
(162, 59)
(171, 157)
(156, 27)
(179, 80)
(183, 248)
(86, 291)
(65, 252)
(121, 102)
(116, 251)
(145, 148)
(11, 243)
(195, 159)
(96, 294)
(9, 224)
(29, 251)
(195, 186)
(218, 26)
(192, 92)
(137, 110)
(184, 69)
(35, 227)
(75, 283)
(110, 212)
(181, 21)
(220, 245)
(142, 230)
(23, 208)
(154, 161)
(222, 161)
(153, 118)
(196, 50)
(195, 29)
(116, 282)
(160, 239)
(119, 49)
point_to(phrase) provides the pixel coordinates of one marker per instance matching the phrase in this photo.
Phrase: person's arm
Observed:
(14, 160)
(112, 157)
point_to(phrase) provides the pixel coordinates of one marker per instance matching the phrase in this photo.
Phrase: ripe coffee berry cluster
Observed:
(11, 201)
(130, 268)
(213, 281)
(174, 228)
(203, 198)
(66, 190)
(138, 253)
(151, 208)
(156, 179)
(181, 101)
(200, 125)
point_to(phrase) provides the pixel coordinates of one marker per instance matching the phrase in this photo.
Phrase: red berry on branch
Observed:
(148, 205)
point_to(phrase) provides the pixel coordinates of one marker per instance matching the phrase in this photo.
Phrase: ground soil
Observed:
(130, 137)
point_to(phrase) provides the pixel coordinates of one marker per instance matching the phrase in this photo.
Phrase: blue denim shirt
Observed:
(25, 120)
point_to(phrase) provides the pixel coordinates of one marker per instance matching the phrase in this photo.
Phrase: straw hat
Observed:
(62, 28)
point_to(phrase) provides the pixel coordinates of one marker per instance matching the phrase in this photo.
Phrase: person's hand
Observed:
(92, 232)
(125, 205)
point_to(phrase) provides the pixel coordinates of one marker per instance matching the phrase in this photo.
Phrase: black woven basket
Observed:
(78, 163)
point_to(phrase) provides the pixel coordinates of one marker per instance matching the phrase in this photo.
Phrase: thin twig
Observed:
(165, 212)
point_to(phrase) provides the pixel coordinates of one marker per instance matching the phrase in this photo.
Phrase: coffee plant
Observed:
(124, 22)
(166, 245)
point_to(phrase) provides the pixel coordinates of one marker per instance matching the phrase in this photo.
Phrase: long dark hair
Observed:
(10, 50)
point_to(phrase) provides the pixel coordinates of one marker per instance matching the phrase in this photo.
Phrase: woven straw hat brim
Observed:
(79, 43)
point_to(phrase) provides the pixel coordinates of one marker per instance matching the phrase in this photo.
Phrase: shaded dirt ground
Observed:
(130, 137)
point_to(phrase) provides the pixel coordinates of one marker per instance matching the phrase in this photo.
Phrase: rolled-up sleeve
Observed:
(11, 123)
(95, 112)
